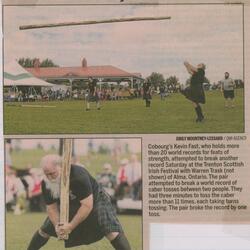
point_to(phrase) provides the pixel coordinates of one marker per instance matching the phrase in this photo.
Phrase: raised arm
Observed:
(190, 68)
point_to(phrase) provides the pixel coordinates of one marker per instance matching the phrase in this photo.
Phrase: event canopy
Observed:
(16, 75)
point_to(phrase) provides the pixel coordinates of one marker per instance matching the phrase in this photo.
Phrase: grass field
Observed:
(19, 231)
(173, 115)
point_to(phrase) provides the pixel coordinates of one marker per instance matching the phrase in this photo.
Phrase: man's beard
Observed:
(53, 186)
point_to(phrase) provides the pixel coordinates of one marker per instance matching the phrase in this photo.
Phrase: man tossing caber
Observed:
(91, 215)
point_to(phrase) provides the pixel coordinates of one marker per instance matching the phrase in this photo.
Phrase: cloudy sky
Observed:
(212, 34)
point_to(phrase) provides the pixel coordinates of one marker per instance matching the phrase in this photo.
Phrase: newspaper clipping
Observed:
(125, 125)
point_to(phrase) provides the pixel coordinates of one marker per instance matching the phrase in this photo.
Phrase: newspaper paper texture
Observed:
(154, 95)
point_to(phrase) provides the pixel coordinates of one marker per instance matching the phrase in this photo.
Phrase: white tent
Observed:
(16, 75)
(32, 82)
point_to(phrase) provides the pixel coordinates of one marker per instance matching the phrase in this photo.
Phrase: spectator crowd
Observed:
(23, 187)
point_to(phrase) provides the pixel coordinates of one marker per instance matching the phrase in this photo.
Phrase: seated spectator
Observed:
(10, 191)
(15, 194)
(121, 178)
(108, 181)
(34, 190)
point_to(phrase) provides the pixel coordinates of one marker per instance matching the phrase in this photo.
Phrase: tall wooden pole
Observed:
(115, 20)
(65, 181)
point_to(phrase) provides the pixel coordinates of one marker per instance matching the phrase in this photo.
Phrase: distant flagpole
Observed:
(115, 20)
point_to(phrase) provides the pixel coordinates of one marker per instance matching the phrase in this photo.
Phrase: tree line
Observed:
(156, 79)
(30, 62)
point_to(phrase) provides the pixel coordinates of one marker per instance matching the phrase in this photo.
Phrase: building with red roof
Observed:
(74, 75)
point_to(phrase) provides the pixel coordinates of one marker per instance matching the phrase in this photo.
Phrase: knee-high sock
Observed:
(37, 242)
(121, 242)
(198, 111)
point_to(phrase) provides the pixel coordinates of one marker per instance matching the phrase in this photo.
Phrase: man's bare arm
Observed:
(82, 213)
(190, 68)
(53, 213)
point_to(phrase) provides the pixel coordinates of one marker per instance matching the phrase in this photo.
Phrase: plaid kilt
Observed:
(101, 221)
(106, 215)
(147, 96)
(92, 98)
(194, 94)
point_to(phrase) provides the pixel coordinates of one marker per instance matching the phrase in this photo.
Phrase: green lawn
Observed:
(173, 115)
(19, 230)
(23, 157)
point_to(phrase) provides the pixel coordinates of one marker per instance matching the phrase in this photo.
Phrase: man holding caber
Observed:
(91, 215)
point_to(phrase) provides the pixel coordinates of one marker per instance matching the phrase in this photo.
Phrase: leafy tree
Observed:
(29, 62)
(173, 84)
(21, 61)
(156, 79)
(48, 63)
(172, 81)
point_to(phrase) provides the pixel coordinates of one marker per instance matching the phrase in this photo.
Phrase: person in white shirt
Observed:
(227, 87)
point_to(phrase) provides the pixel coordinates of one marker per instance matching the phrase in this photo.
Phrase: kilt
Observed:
(147, 96)
(194, 94)
(228, 94)
(92, 98)
(101, 221)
